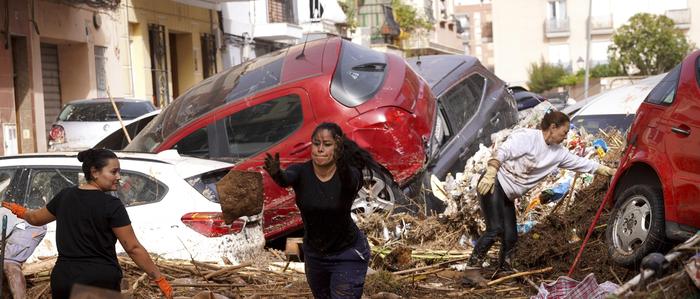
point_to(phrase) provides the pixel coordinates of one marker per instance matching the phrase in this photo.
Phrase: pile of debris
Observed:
(269, 275)
(553, 218)
(424, 257)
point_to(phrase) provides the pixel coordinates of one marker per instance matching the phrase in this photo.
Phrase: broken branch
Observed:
(519, 274)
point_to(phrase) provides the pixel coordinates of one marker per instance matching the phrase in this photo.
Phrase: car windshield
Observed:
(224, 88)
(592, 123)
(104, 111)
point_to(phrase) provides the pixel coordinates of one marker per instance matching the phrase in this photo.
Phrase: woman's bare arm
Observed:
(136, 251)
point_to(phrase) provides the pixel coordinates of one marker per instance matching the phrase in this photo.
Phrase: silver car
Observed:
(83, 123)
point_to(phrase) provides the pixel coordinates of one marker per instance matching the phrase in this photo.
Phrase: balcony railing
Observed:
(556, 27)
(680, 16)
(601, 24)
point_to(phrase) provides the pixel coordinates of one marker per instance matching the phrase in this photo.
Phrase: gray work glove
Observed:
(488, 181)
(606, 171)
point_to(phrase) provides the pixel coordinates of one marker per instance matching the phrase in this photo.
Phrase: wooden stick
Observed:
(135, 286)
(119, 115)
(277, 255)
(531, 283)
(38, 267)
(197, 271)
(568, 196)
(207, 285)
(206, 265)
(431, 266)
(43, 290)
(226, 270)
(282, 294)
(519, 274)
(619, 281)
(507, 290)
(425, 287)
(420, 274)
(285, 267)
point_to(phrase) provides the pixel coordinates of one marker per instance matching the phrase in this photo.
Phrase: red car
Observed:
(656, 190)
(273, 103)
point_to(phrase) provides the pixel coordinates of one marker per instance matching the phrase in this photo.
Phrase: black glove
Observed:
(272, 165)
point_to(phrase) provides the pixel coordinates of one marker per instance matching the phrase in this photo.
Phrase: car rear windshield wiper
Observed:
(370, 67)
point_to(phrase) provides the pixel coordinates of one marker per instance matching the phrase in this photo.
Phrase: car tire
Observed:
(636, 226)
(380, 193)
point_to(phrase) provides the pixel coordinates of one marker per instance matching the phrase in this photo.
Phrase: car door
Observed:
(652, 130)
(682, 143)
(459, 104)
(279, 121)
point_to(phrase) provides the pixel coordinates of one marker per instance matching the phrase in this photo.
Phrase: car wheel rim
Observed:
(632, 224)
(374, 196)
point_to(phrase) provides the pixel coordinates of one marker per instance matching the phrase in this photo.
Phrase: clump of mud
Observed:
(240, 194)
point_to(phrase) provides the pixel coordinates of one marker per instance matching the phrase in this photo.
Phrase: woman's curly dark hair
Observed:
(348, 153)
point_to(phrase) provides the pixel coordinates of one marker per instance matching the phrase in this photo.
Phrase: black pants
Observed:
(67, 273)
(340, 275)
(499, 212)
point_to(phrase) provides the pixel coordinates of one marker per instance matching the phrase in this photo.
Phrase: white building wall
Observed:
(520, 41)
(517, 41)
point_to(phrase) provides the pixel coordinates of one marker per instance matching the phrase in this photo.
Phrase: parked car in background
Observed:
(524, 98)
(274, 102)
(655, 190)
(614, 108)
(82, 123)
(164, 195)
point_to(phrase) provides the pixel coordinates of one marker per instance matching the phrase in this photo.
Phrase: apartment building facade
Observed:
(477, 25)
(254, 28)
(445, 35)
(58, 51)
(554, 31)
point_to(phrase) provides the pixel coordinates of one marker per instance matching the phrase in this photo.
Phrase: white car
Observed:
(82, 123)
(615, 108)
(168, 197)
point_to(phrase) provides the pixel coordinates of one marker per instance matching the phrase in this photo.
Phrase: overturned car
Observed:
(418, 118)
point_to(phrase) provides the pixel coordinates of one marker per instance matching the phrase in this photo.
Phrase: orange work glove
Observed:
(164, 287)
(15, 209)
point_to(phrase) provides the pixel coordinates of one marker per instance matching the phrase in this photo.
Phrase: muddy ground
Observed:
(411, 256)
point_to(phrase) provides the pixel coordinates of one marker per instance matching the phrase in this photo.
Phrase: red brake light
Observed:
(211, 224)
(57, 134)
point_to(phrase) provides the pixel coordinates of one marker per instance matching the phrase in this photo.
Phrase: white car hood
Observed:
(623, 100)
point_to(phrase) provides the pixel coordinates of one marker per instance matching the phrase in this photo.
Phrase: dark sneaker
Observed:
(475, 261)
(504, 269)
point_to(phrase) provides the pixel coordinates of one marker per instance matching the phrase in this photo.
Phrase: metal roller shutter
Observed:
(51, 83)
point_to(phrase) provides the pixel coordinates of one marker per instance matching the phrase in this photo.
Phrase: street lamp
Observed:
(588, 50)
(579, 63)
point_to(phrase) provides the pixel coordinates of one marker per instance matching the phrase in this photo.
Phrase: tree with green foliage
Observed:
(349, 8)
(572, 79)
(611, 69)
(407, 18)
(650, 43)
(544, 76)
